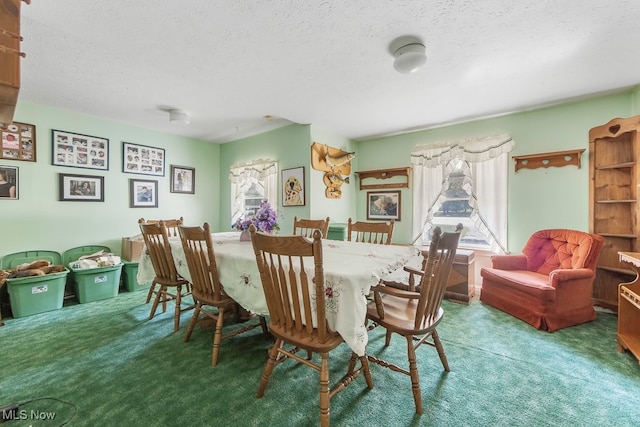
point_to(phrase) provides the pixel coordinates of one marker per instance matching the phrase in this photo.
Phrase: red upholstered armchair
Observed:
(549, 286)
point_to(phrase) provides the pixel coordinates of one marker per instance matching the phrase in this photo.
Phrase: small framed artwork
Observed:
(18, 142)
(8, 183)
(79, 151)
(383, 205)
(81, 188)
(183, 179)
(142, 159)
(293, 187)
(143, 193)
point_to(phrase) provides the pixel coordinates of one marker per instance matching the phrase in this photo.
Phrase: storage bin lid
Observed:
(13, 260)
(337, 226)
(74, 254)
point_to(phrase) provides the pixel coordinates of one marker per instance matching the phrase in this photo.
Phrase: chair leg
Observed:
(387, 338)
(263, 325)
(217, 337)
(193, 321)
(152, 289)
(156, 301)
(324, 390)
(163, 297)
(364, 360)
(176, 316)
(440, 348)
(413, 371)
(268, 369)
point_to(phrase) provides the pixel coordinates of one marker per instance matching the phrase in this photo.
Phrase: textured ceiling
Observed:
(230, 63)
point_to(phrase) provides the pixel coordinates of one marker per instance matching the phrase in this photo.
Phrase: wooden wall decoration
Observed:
(336, 165)
(544, 160)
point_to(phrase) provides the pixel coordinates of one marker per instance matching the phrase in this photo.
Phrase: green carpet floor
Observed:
(104, 364)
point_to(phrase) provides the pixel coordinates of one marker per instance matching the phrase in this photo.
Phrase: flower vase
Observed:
(245, 236)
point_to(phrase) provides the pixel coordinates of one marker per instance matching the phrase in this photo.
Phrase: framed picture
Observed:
(142, 159)
(79, 151)
(293, 186)
(183, 179)
(81, 188)
(18, 142)
(8, 182)
(143, 193)
(383, 205)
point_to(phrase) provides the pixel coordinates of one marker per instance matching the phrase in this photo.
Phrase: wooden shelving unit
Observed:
(9, 58)
(628, 335)
(613, 194)
(384, 174)
(545, 160)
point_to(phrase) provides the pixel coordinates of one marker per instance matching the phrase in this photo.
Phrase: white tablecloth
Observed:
(350, 270)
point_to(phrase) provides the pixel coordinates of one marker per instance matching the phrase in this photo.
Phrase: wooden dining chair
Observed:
(292, 275)
(166, 277)
(206, 287)
(415, 315)
(305, 227)
(370, 232)
(170, 224)
(409, 275)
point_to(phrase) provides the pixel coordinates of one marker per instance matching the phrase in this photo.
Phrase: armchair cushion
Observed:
(550, 284)
(548, 250)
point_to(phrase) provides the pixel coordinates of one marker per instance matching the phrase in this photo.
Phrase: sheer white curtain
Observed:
(263, 172)
(489, 161)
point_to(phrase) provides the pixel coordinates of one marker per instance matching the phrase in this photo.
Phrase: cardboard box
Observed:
(132, 248)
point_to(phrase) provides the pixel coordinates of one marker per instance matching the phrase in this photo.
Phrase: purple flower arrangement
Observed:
(265, 220)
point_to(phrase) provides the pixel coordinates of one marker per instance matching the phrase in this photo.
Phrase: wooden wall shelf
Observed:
(384, 174)
(544, 160)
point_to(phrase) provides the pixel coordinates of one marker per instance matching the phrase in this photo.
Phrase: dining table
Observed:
(350, 270)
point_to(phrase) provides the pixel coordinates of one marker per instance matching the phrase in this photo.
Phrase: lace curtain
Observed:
(488, 161)
(263, 172)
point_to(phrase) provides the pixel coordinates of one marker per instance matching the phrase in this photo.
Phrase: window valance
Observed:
(260, 169)
(473, 150)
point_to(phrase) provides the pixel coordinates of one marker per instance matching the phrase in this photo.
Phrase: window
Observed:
(463, 182)
(251, 183)
(456, 206)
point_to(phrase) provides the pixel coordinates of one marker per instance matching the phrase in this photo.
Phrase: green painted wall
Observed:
(538, 198)
(289, 146)
(635, 100)
(39, 221)
(338, 210)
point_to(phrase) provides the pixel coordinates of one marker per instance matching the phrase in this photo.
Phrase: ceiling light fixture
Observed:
(409, 58)
(179, 116)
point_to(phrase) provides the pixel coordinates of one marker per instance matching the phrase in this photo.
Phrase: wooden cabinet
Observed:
(461, 283)
(613, 195)
(9, 58)
(628, 335)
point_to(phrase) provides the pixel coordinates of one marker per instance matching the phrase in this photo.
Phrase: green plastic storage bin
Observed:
(93, 284)
(337, 232)
(36, 294)
(130, 275)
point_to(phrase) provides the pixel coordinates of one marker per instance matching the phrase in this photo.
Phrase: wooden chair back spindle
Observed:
(170, 224)
(305, 227)
(370, 232)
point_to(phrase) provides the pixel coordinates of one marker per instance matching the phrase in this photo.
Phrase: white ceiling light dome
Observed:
(409, 58)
